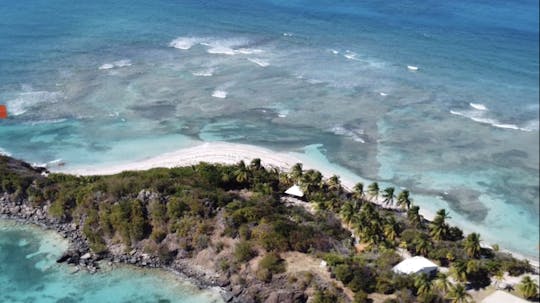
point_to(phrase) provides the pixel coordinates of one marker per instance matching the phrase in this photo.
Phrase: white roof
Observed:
(295, 191)
(414, 265)
(502, 296)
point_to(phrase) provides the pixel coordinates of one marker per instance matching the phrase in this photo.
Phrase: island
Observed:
(261, 233)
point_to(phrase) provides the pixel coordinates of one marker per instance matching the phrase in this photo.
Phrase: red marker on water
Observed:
(3, 112)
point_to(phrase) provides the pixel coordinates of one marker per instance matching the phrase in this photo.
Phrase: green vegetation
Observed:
(184, 207)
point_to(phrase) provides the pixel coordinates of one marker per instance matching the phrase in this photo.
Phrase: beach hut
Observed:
(500, 296)
(295, 191)
(415, 265)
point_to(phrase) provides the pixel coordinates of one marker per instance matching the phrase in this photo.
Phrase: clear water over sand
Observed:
(29, 273)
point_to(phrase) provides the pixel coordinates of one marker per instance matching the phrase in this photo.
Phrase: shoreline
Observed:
(232, 153)
(79, 255)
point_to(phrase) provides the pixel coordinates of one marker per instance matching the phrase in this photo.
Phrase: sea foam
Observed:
(259, 62)
(204, 73)
(221, 94)
(478, 116)
(119, 63)
(28, 100)
(185, 42)
(478, 106)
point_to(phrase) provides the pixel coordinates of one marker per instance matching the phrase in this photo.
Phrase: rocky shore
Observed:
(80, 255)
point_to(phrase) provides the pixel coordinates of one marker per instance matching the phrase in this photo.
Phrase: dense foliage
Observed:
(185, 205)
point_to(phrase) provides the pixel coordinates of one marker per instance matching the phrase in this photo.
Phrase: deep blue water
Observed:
(116, 81)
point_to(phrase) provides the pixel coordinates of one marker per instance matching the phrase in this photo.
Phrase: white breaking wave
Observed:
(221, 94)
(478, 116)
(335, 52)
(350, 55)
(288, 34)
(478, 106)
(119, 63)
(28, 100)
(106, 66)
(204, 73)
(259, 62)
(4, 152)
(185, 42)
(355, 135)
(231, 46)
(383, 94)
(412, 68)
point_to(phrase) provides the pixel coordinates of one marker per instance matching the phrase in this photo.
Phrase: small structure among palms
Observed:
(415, 265)
(295, 191)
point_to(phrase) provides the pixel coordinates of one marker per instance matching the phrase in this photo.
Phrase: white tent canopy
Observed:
(415, 265)
(500, 296)
(295, 191)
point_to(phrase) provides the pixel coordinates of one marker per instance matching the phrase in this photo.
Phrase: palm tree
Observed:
(241, 173)
(347, 212)
(413, 214)
(334, 184)
(442, 284)
(373, 190)
(297, 172)
(311, 180)
(403, 199)
(439, 228)
(472, 245)
(459, 271)
(528, 288)
(391, 229)
(458, 294)
(388, 195)
(422, 284)
(422, 245)
(255, 164)
(358, 191)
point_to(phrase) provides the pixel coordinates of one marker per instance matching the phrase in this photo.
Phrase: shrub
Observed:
(273, 263)
(244, 252)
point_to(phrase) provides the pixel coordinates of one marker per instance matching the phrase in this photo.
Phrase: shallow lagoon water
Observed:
(91, 85)
(29, 273)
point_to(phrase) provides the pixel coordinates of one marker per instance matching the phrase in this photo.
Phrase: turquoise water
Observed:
(29, 273)
(116, 82)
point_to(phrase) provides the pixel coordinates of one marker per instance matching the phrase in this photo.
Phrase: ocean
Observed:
(29, 273)
(441, 98)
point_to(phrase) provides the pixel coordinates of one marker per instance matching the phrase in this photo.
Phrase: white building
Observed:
(415, 265)
(500, 296)
(295, 191)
